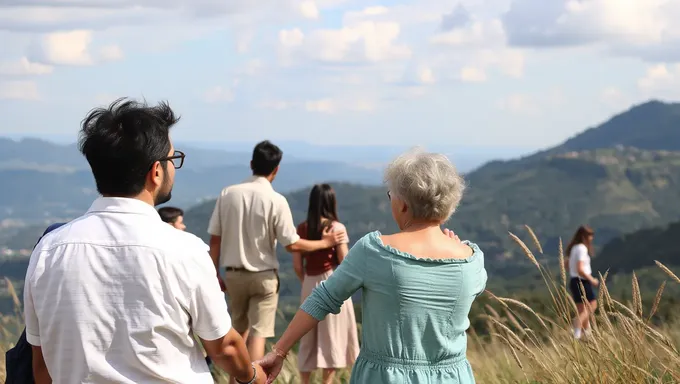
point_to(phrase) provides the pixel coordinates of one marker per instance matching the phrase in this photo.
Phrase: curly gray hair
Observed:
(427, 182)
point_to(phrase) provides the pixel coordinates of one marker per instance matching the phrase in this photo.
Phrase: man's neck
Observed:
(269, 178)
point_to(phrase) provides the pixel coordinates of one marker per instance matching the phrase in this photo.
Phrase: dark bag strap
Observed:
(19, 360)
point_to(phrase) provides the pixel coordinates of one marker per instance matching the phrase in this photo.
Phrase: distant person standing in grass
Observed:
(582, 282)
(417, 285)
(117, 295)
(248, 220)
(173, 216)
(334, 343)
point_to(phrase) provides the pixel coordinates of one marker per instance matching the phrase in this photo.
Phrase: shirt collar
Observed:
(259, 180)
(123, 205)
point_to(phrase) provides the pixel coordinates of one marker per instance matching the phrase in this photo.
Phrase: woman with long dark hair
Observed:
(334, 343)
(582, 282)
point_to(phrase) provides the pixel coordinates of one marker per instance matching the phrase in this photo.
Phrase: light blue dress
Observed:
(415, 312)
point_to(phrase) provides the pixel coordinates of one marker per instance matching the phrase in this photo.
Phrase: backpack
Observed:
(19, 360)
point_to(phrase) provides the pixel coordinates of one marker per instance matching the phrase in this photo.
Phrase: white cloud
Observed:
(19, 90)
(642, 28)
(472, 74)
(64, 48)
(308, 9)
(426, 75)
(111, 53)
(218, 94)
(24, 67)
(325, 105)
(479, 34)
(363, 42)
(661, 81)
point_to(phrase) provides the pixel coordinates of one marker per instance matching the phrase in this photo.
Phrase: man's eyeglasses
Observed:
(178, 155)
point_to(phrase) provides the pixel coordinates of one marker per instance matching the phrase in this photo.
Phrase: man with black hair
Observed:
(247, 222)
(117, 295)
(173, 216)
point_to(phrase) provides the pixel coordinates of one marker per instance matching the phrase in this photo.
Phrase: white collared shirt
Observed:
(116, 296)
(251, 217)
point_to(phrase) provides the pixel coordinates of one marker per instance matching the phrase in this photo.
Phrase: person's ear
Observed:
(276, 170)
(156, 174)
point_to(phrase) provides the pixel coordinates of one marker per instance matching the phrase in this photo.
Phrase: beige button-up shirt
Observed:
(250, 218)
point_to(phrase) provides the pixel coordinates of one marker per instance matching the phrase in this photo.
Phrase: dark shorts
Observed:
(576, 292)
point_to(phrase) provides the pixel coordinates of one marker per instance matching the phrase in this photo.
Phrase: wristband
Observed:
(279, 352)
(251, 380)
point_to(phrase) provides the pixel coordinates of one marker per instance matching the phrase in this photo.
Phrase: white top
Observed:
(116, 295)
(250, 217)
(579, 252)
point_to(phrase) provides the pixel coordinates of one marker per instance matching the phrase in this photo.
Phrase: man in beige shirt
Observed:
(248, 220)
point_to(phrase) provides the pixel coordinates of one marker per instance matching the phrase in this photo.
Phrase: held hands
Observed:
(595, 282)
(271, 365)
(261, 375)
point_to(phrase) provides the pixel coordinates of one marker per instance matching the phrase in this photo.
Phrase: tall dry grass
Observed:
(528, 347)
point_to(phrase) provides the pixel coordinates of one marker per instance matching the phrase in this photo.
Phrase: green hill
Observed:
(636, 250)
(614, 190)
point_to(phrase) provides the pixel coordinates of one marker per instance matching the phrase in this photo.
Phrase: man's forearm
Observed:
(236, 362)
(303, 245)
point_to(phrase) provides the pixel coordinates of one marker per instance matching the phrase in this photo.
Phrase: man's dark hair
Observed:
(266, 157)
(170, 214)
(123, 141)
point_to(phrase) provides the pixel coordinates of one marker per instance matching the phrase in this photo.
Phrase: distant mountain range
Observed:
(599, 177)
(614, 188)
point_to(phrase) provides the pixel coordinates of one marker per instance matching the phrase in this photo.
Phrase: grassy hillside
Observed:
(615, 191)
(634, 250)
(527, 339)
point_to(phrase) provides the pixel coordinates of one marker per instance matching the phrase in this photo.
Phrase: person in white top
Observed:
(582, 282)
(117, 295)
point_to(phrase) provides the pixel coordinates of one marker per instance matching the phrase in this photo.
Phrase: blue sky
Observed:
(468, 73)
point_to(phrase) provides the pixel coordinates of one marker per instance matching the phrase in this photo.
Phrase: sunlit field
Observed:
(628, 343)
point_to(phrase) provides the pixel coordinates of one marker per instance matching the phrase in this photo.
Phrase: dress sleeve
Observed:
(337, 226)
(329, 296)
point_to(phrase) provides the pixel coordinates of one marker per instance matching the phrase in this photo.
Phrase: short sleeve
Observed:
(286, 232)
(215, 224)
(579, 252)
(207, 307)
(337, 227)
(330, 294)
(30, 315)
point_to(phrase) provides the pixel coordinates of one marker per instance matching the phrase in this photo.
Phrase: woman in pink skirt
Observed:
(334, 343)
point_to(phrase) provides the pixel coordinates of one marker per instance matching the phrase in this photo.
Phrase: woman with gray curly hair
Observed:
(417, 285)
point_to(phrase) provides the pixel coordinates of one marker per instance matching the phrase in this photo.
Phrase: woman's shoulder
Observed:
(338, 226)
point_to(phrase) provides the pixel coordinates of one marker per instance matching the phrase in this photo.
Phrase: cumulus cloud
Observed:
(642, 28)
(19, 90)
(459, 17)
(366, 41)
(64, 48)
(24, 67)
(661, 80)
(326, 105)
(111, 53)
(472, 74)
